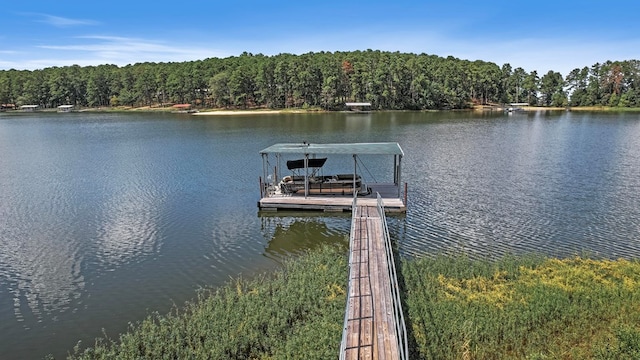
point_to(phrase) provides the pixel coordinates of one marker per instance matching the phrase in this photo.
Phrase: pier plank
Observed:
(370, 330)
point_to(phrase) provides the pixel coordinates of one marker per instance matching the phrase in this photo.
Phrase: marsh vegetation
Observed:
(457, 308)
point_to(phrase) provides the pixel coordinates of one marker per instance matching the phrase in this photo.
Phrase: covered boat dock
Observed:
(359, 106)
(305, 189)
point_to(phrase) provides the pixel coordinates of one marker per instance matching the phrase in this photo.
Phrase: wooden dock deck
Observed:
(389, 193)
(372, 327)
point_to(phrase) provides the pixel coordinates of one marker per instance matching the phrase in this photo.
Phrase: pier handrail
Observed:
(343, 343)
(401, 327)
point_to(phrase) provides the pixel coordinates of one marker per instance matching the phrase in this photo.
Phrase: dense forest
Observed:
(326, 80)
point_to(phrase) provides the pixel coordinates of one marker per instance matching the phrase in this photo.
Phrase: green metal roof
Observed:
(386, 148)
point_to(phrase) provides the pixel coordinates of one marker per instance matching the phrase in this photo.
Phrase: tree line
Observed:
(388, 80)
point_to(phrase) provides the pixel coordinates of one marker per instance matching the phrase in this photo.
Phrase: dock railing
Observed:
(343, 343)
(401, 327)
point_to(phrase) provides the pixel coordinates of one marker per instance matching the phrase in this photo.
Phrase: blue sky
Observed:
(539, 35)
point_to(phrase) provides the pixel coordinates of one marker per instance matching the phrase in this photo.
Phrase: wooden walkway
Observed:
(370, 330)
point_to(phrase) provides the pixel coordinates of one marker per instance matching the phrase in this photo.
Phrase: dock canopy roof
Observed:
(386, 148)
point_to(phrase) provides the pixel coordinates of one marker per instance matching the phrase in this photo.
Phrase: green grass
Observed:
(525, 308)
(456, 308)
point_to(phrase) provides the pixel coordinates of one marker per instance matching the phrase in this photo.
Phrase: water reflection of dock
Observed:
(294, 233)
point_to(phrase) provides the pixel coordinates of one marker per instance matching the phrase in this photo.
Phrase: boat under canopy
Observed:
(307, 188)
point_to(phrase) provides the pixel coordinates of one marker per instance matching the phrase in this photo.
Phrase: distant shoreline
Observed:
(523, 109)
(262, 111)
(556, 108)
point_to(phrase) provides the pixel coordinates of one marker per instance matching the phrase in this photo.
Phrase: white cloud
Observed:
(542, 55)
(62, 22)
(99, 49)
(116, 45)
(125, 50)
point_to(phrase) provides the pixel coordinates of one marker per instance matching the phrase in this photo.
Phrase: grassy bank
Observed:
(456, 308)
(524, 308)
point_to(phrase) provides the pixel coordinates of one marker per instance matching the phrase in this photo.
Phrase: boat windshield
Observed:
(299, 164)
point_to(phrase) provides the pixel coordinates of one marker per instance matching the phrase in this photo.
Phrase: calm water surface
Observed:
(105, 218)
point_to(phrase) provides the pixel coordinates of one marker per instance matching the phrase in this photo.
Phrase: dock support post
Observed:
(395, 170)
(405, 194)
(399, 172)
(306, 175)
(265, 174)
(355, 170)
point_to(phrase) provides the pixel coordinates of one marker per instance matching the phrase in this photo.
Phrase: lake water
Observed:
(105, 218)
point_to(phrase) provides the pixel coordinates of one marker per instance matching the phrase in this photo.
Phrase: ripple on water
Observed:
(116, 214)
(40, 260)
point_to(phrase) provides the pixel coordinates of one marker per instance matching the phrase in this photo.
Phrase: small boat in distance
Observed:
(183, 109)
